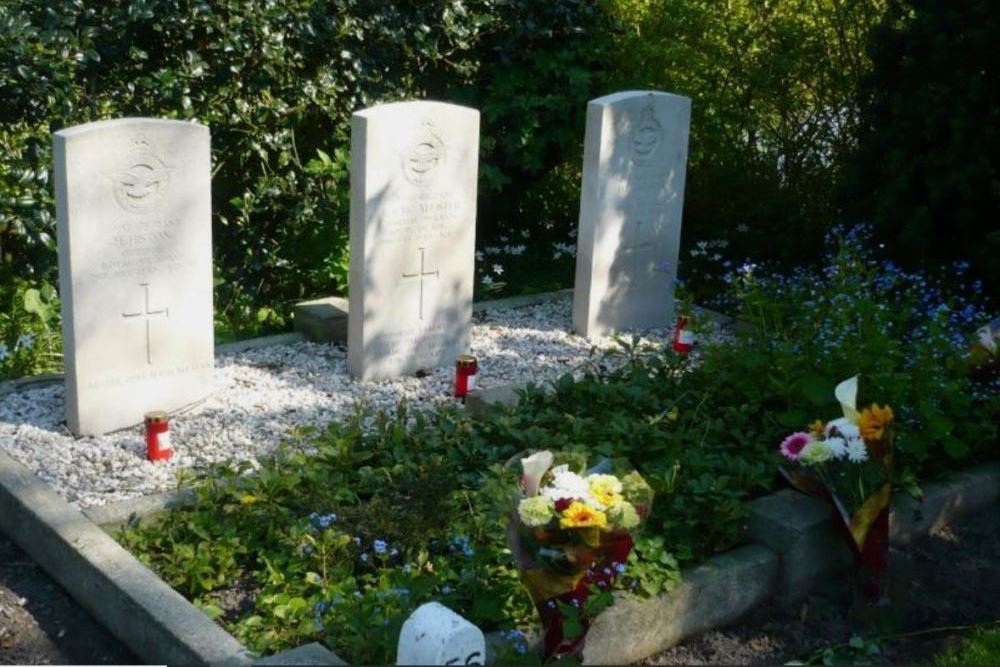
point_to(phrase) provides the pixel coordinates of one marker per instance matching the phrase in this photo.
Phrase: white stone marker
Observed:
(435, 635)
(414, 167)
(133, 204)
(634, 166)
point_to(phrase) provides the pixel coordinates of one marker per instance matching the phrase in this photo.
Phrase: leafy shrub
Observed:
(277, 83)
(774, 108)
(30, 339)
(907, 334)
(344, 533)
(927, 165)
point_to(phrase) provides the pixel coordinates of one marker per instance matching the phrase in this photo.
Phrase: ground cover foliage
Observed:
(802, 119)
(346, 531)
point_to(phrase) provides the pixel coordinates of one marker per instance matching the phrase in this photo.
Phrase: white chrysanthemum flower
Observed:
(856, 450)
(844, 428)
(838, 447)
(571, 486)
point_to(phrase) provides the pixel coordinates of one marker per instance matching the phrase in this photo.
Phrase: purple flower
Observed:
(793, 445)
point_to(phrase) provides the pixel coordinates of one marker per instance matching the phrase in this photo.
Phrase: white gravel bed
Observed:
(262, 393)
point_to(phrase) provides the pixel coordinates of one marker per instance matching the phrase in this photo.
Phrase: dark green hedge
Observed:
(277, 82)
(927, 170)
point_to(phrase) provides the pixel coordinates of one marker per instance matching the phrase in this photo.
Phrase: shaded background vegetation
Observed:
(806, 112)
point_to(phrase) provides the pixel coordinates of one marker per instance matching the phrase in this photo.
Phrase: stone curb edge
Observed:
(726, 586)
(793, 547)
(156, 623)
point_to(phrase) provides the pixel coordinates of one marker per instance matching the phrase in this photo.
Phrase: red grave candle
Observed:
(158, 447)
(683, 337)
(466, 368)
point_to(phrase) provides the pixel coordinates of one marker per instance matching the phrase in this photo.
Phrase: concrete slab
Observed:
(325, 320)
(322, 320)
(961, 494)
(478, 402)
(114, 516)
(308, 654)
(717, 592)
(14, 386)
(799, 527)
(153, 620)
(263, 341)
(521, 300)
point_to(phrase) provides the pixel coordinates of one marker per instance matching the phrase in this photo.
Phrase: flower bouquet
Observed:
(985, 353)
(847, 462)
(570, 537)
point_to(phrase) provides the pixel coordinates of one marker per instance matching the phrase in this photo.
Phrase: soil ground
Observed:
(946, 581)
(40, 624)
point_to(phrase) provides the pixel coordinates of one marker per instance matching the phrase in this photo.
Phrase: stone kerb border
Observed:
(142, 611)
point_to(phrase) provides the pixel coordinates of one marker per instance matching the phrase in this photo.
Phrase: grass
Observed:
(981, 647)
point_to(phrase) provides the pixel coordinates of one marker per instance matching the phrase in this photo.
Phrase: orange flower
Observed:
(817, 428)
(873, 421)
(579, 515)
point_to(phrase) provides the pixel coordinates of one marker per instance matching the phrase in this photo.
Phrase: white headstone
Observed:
(414, 167)
(133, 204)
(435, 635)
(634, 166)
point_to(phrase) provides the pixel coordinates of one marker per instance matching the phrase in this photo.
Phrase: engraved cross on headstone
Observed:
(634, 248)
(421, 275)
(147, 313)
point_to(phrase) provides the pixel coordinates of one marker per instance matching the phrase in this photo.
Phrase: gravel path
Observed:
(261, 394)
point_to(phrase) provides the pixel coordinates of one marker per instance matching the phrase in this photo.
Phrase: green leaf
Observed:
(954, 447)
(817, 389)
(794, 418)
(211, 611)
(488, 607)
(33, 302)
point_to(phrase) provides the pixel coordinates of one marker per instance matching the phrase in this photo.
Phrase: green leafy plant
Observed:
(30, 337)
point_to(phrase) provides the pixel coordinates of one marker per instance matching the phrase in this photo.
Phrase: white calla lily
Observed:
(847, 393)
(534, 466)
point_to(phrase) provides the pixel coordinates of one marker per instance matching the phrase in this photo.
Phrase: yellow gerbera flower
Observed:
(580, 515)
(817, 428)
(873, 421)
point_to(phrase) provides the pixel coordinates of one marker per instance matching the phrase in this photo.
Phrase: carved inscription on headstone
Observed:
(133, 203)
(147, 313)
(635, 161)
(414, 167)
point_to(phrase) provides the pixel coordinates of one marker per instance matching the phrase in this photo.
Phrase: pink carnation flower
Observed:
(792, 446)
